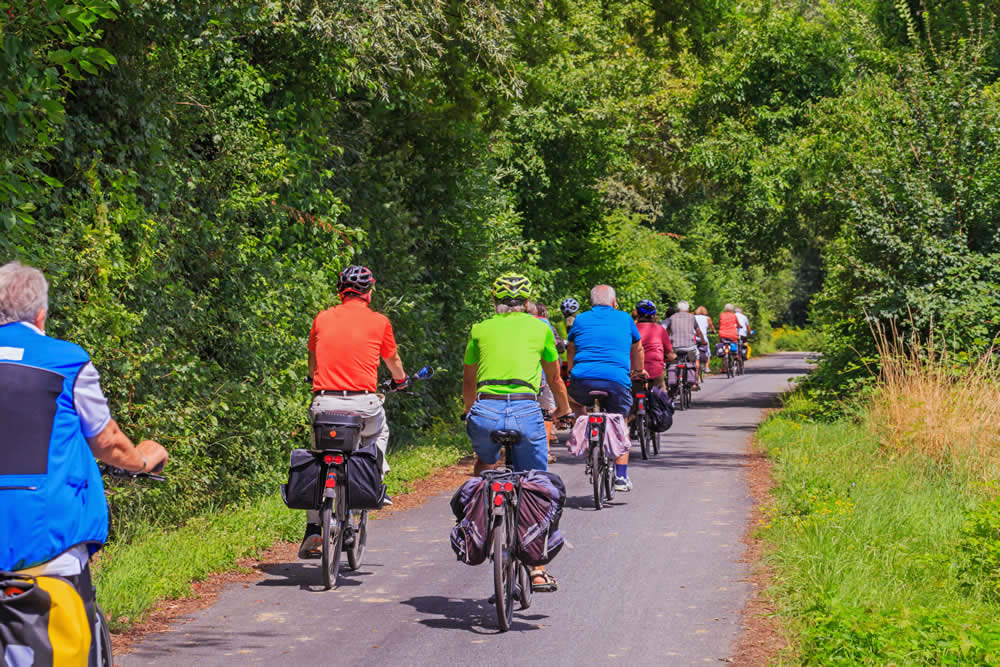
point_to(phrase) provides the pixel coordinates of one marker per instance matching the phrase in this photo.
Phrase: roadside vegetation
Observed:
(885, 525)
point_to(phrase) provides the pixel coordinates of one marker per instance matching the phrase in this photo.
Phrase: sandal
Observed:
(547, 585)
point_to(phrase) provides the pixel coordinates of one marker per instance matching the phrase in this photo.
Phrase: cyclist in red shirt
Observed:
(345, 345)
(656, 345)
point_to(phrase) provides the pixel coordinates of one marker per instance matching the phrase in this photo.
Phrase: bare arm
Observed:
(469, 374)
(551, 370)
(570, 353)
(638, 356)
(395, 366)
(312, 364)
(113, 447)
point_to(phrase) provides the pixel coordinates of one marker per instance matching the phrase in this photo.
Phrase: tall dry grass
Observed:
(927, 405)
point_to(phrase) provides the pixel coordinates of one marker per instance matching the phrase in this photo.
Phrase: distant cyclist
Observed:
(704, 325)
(504, 363)
(54, 420)
(569, 307)
(729, 325)
(656, 346)
(604, 347)
(744, 331)
(345, 345)
(685, 336)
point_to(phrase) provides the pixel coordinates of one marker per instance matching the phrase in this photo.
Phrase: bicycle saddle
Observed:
(502, 437)
(598, 394)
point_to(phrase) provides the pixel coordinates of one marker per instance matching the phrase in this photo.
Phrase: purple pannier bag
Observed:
(471, 534)
(542, 498)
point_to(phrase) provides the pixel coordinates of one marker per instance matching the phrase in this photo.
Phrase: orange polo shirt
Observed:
(348, 341)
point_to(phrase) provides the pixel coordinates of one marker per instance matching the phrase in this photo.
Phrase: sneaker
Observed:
(387, 502)
(623, 484)
(348, 541)
(312, 543)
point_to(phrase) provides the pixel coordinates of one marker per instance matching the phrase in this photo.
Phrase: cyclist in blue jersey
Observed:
(54, 420)
(604, 347)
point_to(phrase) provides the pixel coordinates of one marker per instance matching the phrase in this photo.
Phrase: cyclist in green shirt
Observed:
(504, 362)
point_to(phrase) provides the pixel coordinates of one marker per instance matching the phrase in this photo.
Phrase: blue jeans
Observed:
(530, 453)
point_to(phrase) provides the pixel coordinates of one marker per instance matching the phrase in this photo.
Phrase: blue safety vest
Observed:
(51, 492)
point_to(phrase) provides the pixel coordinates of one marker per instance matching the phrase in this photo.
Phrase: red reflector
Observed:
(328, 459)
(333, 434)
(597, 420)
(331, 482)
(593, 434)
(498, 500)
(495, 486)
(508, 487)
(640, 396)
(338, 459)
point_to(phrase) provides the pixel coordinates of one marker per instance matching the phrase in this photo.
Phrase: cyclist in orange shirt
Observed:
(345, 345)
(729, 325)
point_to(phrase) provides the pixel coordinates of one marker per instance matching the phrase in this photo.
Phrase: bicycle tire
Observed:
(596, 474)
(687, 396)
(640, 430)
(503, 585)
(740, 365)
(729, 365)
(105, 658)
(524, 574)
(356, 553)
(656, 443)
(332, 540)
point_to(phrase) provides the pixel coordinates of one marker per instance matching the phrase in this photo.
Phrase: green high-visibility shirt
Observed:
(510, 346)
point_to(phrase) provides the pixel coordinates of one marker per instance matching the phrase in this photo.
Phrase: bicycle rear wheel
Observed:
(333, 536)
(687, 396)
(359, 522)
(609, 478)
(729, 365)
(596, 474)
(656, 442)
(640, 430)
(103, 635)
(503, 576)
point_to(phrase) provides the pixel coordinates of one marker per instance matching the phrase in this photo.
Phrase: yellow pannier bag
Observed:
(42, 622)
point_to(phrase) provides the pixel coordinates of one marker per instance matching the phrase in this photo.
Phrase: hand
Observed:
(400, 385)
(641, 373)
(155, 455)
(561, 412)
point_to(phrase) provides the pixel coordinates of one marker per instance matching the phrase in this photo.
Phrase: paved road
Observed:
(654, 579)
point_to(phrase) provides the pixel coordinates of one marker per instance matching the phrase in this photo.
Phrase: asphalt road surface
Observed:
(655, 579)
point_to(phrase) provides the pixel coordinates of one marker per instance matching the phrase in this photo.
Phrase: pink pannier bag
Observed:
(616, 440)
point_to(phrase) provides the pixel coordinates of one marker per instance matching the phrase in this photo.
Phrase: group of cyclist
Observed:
(54, 418)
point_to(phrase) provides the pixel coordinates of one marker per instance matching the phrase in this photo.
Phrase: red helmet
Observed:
(355, 280)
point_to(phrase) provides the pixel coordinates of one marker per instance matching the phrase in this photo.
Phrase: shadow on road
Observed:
(757, 399)
(175, 641)
(683, 459)
(476, 616)
(306, 575)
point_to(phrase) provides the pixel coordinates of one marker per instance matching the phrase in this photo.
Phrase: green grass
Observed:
(142, 568)
(794, 339)
(866, 551)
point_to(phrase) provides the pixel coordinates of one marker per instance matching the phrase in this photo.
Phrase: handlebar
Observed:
(121, 473)
(424, 373)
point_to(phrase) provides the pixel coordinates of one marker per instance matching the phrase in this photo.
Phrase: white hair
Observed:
(683, 306)
(502, 308)
(603, 295)
(728, 308)
(24, 293)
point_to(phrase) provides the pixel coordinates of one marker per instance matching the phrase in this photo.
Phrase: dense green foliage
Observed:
(192, 174)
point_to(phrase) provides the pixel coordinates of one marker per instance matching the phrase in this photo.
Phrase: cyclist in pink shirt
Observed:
(656, 343)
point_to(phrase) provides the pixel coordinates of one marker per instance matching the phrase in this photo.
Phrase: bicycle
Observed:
(649, 440)
(733, 360)
(599, 467)
(102, 632)
(682, 389)
(511, 577)
(343, 529)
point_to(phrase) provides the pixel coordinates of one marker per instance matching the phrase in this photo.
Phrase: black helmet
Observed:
(355, 280)
(569, 306)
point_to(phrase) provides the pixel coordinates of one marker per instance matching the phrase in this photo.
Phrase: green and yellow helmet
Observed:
(512, 286)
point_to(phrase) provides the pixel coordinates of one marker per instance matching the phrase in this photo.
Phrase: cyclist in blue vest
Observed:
(54, 420)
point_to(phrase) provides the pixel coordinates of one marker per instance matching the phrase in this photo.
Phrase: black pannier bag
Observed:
(661, 410)
(471, 533)
(365, 490)
(336, 430)
(304, 490)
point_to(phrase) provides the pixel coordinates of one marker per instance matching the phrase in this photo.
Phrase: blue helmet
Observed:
(646, 307)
